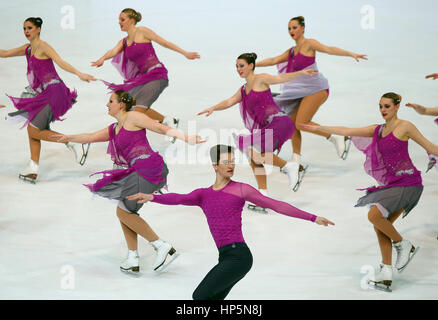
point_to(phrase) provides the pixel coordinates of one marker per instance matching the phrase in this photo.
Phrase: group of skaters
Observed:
(139, 173)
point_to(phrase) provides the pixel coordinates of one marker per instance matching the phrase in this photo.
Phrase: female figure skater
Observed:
(222, 204)
(46, 98)
(137, 169)
(269, 127)
(134, 57)
(301, 99)
(400, 183)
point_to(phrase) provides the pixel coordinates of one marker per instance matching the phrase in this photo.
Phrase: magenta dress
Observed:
(223, 208)
(293, 91)
(269, 126)
(46, 91)
(387, 161)
(145, 77)
(137, 168)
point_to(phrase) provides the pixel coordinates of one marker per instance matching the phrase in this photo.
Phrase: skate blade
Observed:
(84, 154)
(133, 272)
(410, 259)
(257, 209)
(31, 178)
(301, 174)
(166, 263)
(347, 148)
(380, 286)
(431, 164)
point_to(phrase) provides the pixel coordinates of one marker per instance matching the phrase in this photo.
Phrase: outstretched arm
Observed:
(273, 61)
(434, 76)
(151, 35)
(141, 120)
(412, 132)
(423, 110)
(98, 136)
(269, 79)
(343, 131)
(317, 46)
(51, 53)
(254, 196)
(191, 199)
(20, 51)
(228, 103)
(109, 54)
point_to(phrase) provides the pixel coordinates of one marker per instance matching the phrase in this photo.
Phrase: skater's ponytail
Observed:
(132, 14)
(126, 98)
(395, 97)
(249, 58)
(217, 150)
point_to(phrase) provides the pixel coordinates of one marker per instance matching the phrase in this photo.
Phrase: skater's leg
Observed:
(130, 236)
(296, 136)
(260, 174)
(307, 109)
(136, 224)
(267, 158)
(151, 113)
(35, 148)
(385, 225)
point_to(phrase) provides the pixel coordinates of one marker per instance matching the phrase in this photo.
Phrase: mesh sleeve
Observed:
(191, 199)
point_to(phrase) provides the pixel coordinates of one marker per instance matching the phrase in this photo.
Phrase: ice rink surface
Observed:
(57, 242)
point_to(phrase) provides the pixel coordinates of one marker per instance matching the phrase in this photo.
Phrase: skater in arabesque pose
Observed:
(400, 183)
(222, 204)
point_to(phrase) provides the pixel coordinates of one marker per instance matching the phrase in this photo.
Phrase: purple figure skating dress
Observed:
(145, 77)
(293, 91)
(137, 168)
(388, 161)
(269, 126)
(46, 99)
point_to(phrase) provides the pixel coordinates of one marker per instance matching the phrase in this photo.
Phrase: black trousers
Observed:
(235, 260)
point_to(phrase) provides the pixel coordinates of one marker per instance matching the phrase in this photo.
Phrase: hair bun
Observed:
(253, 55)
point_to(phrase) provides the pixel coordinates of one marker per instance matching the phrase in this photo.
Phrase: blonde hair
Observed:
(132, 14)
(395, 97)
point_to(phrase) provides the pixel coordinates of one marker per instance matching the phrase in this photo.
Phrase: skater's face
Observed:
(114, 106)
(296, 31)
(225, 166)
(125, 22)
(30, 30)
(243, 68)
(387, 108)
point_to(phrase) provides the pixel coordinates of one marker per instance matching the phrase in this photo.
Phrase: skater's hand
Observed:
(417, 107)
(2, 106)
(97, 63)
(308, 72)
(207, 111)
(60, 138)
(192, 140)
(323, 221)
(141, 197)
(192, 55)
(433, 75)
(86, 77)
(359, 56)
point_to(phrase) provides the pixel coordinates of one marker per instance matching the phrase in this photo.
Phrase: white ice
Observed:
(59, 243)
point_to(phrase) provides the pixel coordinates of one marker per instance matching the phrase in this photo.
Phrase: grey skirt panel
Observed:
(147, 93)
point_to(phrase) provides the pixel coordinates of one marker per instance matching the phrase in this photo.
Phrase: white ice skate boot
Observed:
(163, 249)
(80, 151)
(295, 172)
(382, 280)
(405, 253)
(342, 145)
(256, 208)
(131, 264)
(29, 173)
(173, 123)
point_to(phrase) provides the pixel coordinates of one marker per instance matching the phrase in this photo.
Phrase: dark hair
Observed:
(300, 20)
(37, 22)
(126, 98)
(217, 150)
(395, 97)
(249, 58)
(132, 14)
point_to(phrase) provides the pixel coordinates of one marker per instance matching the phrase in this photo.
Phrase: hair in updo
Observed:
(132, 14)
(395, 97)
(37, 22)
(249, 58)
(217, 150)
(300, 20)
(126, 98)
